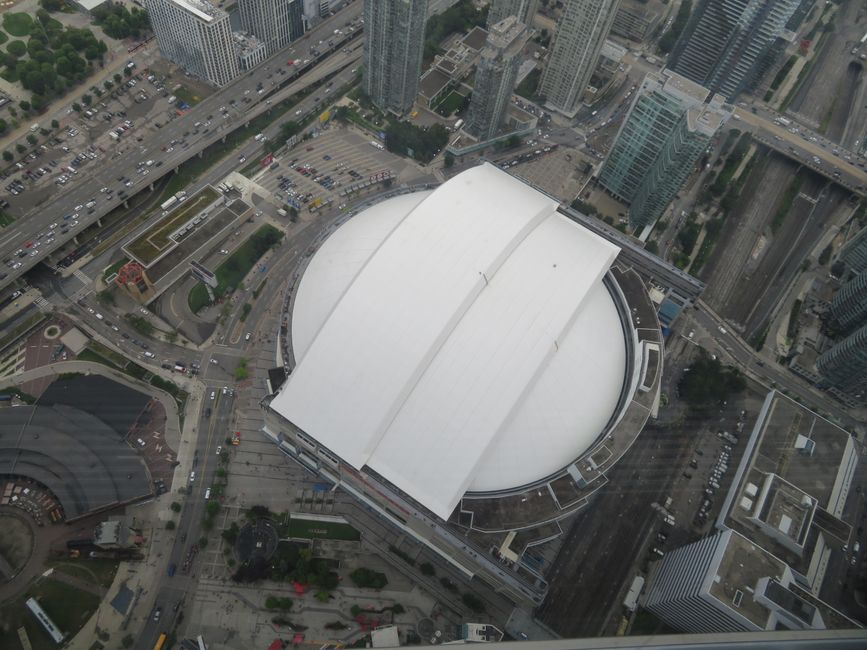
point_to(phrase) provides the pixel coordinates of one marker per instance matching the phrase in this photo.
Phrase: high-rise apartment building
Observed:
(667, 128)
(275, 23)
(495, 77)
(582, 30)
(726, 42)
(393, 46)
(854, 252)
(197, 36)
(849, 306)
(523, 10)
(844, 366)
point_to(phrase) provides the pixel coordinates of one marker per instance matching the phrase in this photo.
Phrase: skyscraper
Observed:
(523, 10)
(393, 45)
(274, 22)
(665, 132)
(849, 306)
(495, 77)
(581, 32)
(845, 365)
(197, 36)
(854, 253)
(726, 42)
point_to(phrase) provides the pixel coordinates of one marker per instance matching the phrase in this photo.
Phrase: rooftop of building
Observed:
(509, 33)
(477, 338)
(748, 574)
(83, 461)
(793, 482)
(246, 43)
(202, 9)
(679, 86)
(742, 565)
(432, 82)
(476, 38)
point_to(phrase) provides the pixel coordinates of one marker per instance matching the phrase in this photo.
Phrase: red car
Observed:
(28, 244)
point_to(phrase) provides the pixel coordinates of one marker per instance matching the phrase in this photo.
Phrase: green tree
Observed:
(25, 105)
(128, 640)
(76, 107)
(176, 507)
(708, 381)
(17, 48)
(20, 148)
(170, 525)
(32, 139)
(86, 99)
(241, 371)
(55, 124)
(473, 602)
(7, 156)
(203, 542)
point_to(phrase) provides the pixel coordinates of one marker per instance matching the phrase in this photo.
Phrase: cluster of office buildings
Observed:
(198, 36)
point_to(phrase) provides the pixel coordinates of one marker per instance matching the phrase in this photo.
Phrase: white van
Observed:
(207, 494)
(259, 137)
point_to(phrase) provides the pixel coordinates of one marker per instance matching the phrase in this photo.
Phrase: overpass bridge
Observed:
(809, 149)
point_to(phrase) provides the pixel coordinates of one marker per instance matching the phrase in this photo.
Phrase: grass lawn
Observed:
(99, 571)
(450, 103)
(184, 94)
(309, 529)
(5, 219)
(67, 606)
(153, 241)
(18, 23)
(232, 271)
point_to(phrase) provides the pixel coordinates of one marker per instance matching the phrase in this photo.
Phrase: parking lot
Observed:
(315, 173)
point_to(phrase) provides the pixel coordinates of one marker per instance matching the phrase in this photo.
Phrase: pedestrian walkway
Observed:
(81, 275)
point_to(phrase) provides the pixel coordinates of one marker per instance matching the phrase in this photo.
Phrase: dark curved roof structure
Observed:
(83, 461)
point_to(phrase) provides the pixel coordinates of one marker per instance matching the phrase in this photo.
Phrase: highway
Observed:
(331, 59)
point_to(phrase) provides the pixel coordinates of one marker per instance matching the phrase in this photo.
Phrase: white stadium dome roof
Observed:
(457, 340)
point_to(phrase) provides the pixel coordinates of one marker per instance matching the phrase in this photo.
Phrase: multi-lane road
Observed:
(344, 52)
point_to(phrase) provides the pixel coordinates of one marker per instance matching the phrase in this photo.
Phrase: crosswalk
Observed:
(43, 305)
(78, 273)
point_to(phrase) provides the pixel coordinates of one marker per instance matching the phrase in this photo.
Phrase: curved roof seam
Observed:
(449, 327)
(355, 277)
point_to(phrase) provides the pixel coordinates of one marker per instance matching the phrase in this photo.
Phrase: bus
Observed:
(161, 641)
